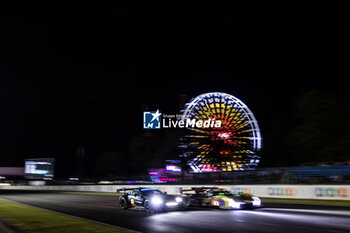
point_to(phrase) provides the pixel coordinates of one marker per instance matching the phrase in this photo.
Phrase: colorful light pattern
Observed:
(231, 147)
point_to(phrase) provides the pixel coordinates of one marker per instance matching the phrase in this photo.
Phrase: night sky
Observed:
(75, 76)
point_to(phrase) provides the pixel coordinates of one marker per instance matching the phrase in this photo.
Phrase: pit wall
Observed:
(331, 192)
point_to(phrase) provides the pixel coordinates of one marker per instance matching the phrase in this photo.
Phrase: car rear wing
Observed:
(187, 191)
(194, 190)
(124, 190)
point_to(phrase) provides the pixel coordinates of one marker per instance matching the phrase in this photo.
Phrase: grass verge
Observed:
(31, 219)
(306, 201)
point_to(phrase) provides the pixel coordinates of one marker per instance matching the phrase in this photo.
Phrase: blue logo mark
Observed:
(151, 120)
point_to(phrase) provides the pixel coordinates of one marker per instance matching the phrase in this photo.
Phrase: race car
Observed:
(151, 199)
(221, 198)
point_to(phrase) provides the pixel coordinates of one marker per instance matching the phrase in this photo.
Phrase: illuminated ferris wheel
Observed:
(233, 146)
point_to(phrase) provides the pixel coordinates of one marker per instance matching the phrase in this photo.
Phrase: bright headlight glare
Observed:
(178, 199)
(171, 204)
(256, 201)
(233, 203)
(230, 201)
(156, 200)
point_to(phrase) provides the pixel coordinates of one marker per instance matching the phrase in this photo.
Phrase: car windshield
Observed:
(151, 191)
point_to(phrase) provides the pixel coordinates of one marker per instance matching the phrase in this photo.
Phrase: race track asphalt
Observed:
(273, 217)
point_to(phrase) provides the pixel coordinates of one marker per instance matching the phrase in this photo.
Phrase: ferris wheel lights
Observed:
(239, 134)
(224, 136)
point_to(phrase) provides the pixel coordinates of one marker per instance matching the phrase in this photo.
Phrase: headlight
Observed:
(256, 201)
(178, 199)
(156, 201)
(171, 204)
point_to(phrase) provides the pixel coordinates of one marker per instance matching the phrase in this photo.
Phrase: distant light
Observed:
(173, 168)
(105, 182)
(224, 136)
(73, 179)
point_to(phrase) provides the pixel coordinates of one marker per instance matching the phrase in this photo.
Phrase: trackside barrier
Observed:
(331, 192)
